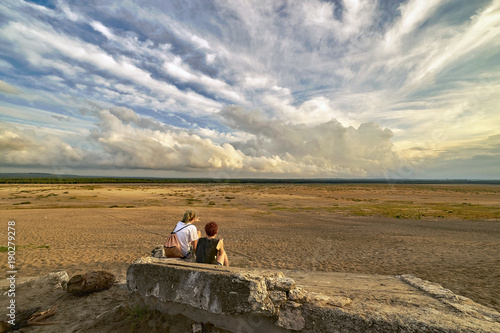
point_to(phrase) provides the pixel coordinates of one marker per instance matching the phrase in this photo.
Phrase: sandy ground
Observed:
(448, 234)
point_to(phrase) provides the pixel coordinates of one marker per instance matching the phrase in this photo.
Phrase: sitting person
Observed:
(211, 250)
(187, 234)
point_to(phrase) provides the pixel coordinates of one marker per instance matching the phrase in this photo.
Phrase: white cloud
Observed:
(123, 139)
(26, 147)
(357, 15)
(42, 40)
(68, 12)
(323, 147)
(139, 147)
(172, 64)
(8, 89)
(413, 13)
(482, 32)
(179, 70)
(98, 26)
(37, 117)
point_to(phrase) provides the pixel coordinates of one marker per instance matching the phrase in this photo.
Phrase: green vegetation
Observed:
(190, 201)
(404, 210)
(90, 187)
(413, 211)
(138, 315)
(46, 196)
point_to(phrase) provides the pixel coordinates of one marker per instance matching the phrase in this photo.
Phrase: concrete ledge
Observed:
(243, 300)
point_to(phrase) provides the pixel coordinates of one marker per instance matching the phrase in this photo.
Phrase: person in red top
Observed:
(210, 250)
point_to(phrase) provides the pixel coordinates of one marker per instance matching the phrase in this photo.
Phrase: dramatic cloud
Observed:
(346, 88)
(123, 139)
(27, 148)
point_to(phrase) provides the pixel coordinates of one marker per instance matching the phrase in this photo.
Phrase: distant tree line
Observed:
(117, 180)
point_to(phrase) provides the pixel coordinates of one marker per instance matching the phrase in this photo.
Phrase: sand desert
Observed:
(448, 234)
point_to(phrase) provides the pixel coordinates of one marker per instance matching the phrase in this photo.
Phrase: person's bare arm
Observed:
(195, 242)
(221, 254)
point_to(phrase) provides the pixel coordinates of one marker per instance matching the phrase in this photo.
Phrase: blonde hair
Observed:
(189, 215)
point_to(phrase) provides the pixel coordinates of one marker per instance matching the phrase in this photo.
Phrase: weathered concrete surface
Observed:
(243, 300)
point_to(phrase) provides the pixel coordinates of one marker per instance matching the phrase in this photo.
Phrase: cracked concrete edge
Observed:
(275, 299)
(459, 303)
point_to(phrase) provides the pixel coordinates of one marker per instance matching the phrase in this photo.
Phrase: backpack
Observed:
(172, 246)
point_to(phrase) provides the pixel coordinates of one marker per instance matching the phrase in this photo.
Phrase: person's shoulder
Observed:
(192, 228)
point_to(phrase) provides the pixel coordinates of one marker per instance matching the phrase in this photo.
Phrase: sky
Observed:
(251, 89)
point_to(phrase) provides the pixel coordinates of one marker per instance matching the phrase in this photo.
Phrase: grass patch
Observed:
(23, 203)
(190, 201)
(138, 315)
(420, 211)
(211, 203)
(403, 210)
(41, 196)
(90, 187)
(4, 248)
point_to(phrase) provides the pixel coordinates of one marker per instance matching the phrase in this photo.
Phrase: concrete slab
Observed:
(311, 302)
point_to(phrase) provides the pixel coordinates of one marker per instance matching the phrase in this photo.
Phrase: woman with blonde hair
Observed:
(187, 233)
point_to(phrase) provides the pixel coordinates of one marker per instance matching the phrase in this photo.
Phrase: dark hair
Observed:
(211, 229)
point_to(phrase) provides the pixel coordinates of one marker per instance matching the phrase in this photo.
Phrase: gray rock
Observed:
(297, 295)
(52, 281)
(291, 318)
(280, 283)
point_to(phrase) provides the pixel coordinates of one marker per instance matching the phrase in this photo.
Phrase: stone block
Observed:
(242, 300)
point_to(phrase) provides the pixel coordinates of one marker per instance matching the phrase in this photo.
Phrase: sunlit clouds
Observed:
(320, 89)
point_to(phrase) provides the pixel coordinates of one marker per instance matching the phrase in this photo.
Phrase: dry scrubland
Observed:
(449, 234)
